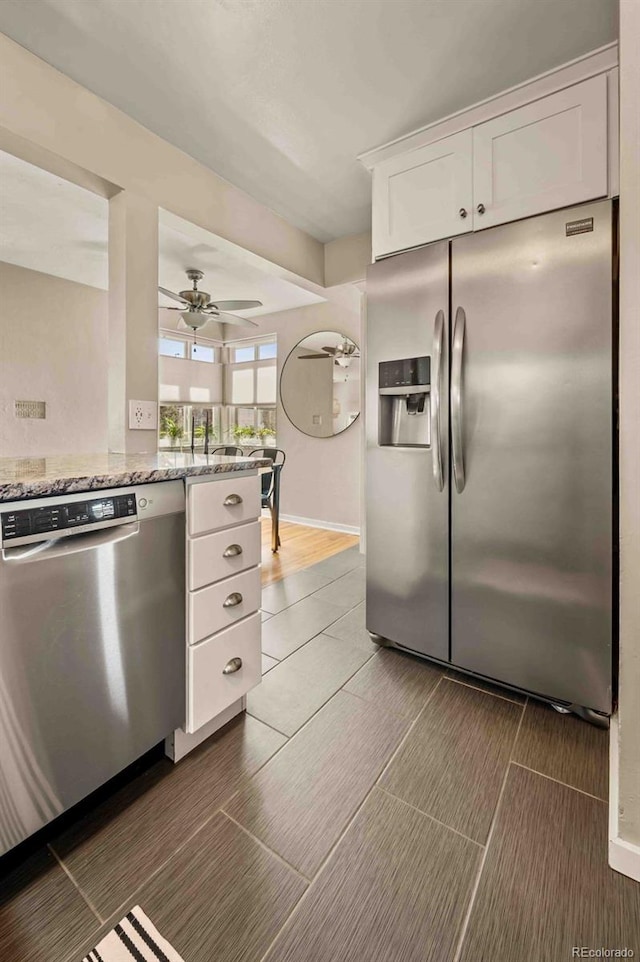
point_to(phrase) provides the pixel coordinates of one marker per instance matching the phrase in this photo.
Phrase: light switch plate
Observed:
(143, 415)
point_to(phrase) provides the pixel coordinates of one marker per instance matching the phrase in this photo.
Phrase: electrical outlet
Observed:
(143, 415)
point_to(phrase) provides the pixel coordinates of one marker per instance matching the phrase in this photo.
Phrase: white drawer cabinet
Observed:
(221, 670)
(550, 154)
(213, 557)
(218, 504)
(223, 600)
(219, 605)
(423, 195)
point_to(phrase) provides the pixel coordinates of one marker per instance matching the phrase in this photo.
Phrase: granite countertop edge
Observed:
(45, 487)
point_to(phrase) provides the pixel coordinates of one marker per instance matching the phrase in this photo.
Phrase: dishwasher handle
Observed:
(71, 544)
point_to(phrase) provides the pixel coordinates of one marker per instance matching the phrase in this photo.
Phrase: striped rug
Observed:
(134, 939)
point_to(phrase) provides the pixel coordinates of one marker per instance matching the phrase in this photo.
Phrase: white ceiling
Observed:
(280, 96)
(50, 225)
(225, 277)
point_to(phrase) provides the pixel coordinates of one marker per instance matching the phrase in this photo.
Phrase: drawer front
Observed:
(216, 607)
(225, 553)
(210, 690)
(218, 504)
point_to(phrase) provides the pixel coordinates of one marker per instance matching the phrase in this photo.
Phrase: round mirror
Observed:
(320, 384)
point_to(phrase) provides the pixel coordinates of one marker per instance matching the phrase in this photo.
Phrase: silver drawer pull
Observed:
(232, 551)
(231, 666)
(234, 599)
(232, 500)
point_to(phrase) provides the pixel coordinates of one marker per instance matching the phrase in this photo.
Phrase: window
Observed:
(266, 351)
(178, 347)
(266, 384)
(255, 426)
(251, 391)
(242, 389)
(172, 347)
(241, 354)
(179, 421)
(200, 352)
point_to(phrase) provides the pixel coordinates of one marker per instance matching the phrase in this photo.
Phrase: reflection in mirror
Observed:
(320, 384)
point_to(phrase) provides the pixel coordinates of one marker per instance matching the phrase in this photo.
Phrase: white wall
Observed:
(53, 348)
(321, 479)
(624, 846)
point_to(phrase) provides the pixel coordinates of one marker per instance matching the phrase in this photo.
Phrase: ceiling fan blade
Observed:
(233, 319)
(234, 305)
(174, 297)
(313, 357)
(332, 350)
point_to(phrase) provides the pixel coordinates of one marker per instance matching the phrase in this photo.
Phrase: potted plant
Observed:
(266, 436)
(170, 428)
(243, 435)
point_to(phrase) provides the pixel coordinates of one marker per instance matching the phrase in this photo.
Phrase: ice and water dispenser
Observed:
(404, 389)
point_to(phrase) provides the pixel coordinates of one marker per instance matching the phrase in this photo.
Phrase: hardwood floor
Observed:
(301, 546)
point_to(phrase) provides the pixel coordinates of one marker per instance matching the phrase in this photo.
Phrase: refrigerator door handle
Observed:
(436, 434)
(456, 400)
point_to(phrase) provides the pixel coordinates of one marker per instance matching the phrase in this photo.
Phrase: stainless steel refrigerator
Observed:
(489, 419)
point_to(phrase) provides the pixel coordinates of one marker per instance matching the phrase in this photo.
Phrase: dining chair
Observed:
(270, 494)
(229, 451)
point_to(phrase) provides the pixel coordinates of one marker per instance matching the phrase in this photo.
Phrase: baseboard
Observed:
(327, 525)
(179, 744)
(624, 857)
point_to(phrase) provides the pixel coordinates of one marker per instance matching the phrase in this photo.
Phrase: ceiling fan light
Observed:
(194, 319)
(344, 360)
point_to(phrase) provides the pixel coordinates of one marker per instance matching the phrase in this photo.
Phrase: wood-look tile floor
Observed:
(369, 807)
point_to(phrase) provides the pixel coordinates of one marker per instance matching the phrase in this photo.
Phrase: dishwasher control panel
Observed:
(75, 514)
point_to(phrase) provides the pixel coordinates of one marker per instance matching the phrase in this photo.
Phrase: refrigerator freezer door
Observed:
(531, 548)
(407, 487)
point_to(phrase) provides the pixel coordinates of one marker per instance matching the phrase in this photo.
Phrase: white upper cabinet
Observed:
(550, 154)
(423, 195)
(549, 143)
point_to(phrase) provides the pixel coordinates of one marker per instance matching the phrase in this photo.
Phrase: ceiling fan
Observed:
(197, 308)
(343, 354)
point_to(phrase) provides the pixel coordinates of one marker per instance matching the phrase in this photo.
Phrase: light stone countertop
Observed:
(41, 477)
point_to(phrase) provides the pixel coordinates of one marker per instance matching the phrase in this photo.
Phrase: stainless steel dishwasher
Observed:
(92, 636)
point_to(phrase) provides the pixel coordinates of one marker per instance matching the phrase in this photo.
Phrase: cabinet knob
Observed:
(233, 600)
(232, 666)
(480, 208)
(232, 551)
(463, 212)
(232, 499)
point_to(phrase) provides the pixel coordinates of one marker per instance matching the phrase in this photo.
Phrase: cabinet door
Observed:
(423, 195)
(550, 154)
